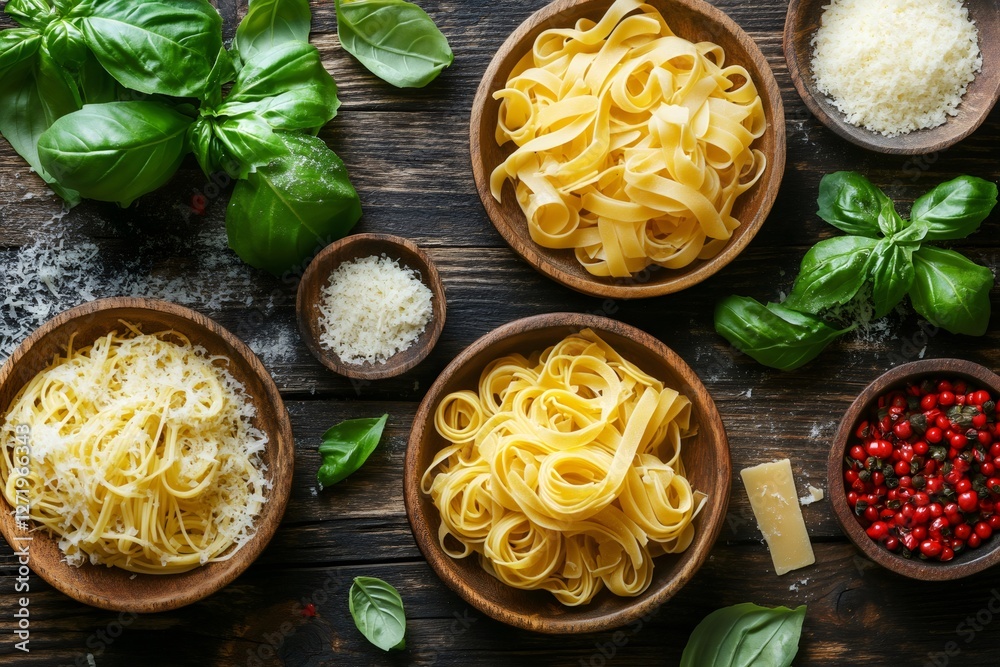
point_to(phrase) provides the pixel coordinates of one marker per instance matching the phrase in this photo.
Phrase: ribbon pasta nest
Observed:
(632, 144)
(141, 454)
(564, 472)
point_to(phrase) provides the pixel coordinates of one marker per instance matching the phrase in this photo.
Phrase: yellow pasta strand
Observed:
(632, 144)
(563, 471)
(143, 455)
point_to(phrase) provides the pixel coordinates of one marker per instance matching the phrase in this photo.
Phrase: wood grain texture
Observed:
(693, 19)
(803, 20)
(408, 155)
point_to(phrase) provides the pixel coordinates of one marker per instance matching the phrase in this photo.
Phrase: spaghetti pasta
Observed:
(563, 471)
(143, 454)
(632, 144)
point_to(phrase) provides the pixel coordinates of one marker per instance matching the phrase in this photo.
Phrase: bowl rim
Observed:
(632, 608)
(429, 276)
(894, 378)
(633, 287)
(267, 521)
(859, 136)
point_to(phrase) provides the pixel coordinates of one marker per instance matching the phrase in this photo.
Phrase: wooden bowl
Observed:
(694, 19)
(706, 461)
(802, 21)
(965, 563)
(111, 587)
(317, 276)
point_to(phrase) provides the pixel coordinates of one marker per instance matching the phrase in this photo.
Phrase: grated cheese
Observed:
(895, 66)
(373, 308)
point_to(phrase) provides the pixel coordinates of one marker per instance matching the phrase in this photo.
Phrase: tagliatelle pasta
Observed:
(563, 471)
(632, 144)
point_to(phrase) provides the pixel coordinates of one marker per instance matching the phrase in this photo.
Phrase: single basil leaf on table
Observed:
(851, 203)
(250, 141)
(346, 447)
(396, 40)
(831, 274)
(951, 291)
(281, 214)
(18, 47)
(892, 275)
(155, 46)
(377, 610)
(773, 335)
(955, 209)
(270, 24)
(744, 635)
(287, 87)
(117, 151)
(37, 14)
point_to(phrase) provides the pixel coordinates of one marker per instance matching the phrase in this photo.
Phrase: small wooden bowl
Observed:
(802, 21)
(706, 461)
(694, 19)
(317, 276)
(111, 587)
(964, 564)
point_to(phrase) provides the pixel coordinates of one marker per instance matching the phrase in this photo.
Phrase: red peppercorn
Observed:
(944, 385)
(852, 498)
(920, 447)
(984, 437)
(933, 435)
(903, 430)
(946, 398)
(979, 420)
(987, 469)
(994, 521)
(962, 531)
(878, 530)
(928, 402)
(983, 530)
(891, 543)
(930, 548)
(962, 486)
(980, 397)
(871, 513)
(968, 501)
(974, 541)
(947, 553)
(858, 453)
(958, 440)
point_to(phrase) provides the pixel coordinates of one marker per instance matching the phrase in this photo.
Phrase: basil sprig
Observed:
(882, 250)
(745, 634)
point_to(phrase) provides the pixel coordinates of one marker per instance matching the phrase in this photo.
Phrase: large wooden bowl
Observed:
(965, 563)
(695, 20)
(111, 587)
(801, 23)
(706, 461)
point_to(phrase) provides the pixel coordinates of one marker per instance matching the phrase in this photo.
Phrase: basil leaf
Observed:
(851, 203)
(892, 275)
(156, 46)
(66, 44)
(249, 141)
(951, 291)
(955, 209)
(774, 335)
(346, 447)
(280, 215)
(270, 24)
(396, 40)
(889, 221)
(223, 72)
(745, 634)
(18, 47)
(116, 151)
(912, 234)
(378, 613)
(210, 153)
(37, 14)
(287, 87)
(831, 273)
(56, 88)
(24, 117)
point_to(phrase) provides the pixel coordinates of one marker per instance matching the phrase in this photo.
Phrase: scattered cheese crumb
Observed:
(815, 495)
(373, 308)
(895, 66)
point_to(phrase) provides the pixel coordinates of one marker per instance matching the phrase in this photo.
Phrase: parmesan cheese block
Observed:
(895, 66)
(776, 507)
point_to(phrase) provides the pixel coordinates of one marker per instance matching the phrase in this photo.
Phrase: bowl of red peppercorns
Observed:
(914, 471)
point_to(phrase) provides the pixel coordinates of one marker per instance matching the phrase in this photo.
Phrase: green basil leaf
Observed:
(912, 234)
(889, 221)
(282, 214)
(24, 117)
(955, 209)
(831, 274)
(346, 447)
(744, 635)
(851, 203)
(378, 612)
(18, 47)
(951, 291)
(116, 151)
(66, 44)
(270, 24)
(37, 14)
(774, 335)
(892, 275)
(396, 40)
(156, 46)
(223, 72)
(59, 92)
(211, 154)
(287, 87)
(250, 141)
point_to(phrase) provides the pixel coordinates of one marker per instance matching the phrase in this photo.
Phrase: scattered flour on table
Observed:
(275, 343)
(801, 582)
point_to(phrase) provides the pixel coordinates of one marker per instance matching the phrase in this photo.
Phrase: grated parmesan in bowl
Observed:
(372, 308)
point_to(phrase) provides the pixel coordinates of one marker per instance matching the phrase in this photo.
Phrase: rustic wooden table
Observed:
(407, 153)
